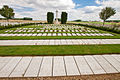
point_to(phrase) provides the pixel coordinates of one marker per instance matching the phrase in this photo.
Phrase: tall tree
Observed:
(50, 17)
(63, 18)
(106, 13)
(7, 12)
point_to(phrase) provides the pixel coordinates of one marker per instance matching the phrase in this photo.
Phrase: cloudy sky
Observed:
(76, 9)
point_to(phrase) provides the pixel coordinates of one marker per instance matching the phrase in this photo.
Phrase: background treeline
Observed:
(25, 18)
(113, 21)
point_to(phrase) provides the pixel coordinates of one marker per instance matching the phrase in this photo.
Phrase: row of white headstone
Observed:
(12, 23)
(51, 31)
(59, 34)
(61, 26)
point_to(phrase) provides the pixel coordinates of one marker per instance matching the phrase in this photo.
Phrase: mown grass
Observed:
(59, 50)
(56, 37)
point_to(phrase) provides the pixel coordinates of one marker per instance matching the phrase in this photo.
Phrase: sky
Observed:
(86, 10)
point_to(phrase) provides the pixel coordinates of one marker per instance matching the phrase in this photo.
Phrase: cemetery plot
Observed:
(53, 30)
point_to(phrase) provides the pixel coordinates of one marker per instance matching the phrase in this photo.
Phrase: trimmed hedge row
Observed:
(16, 25)
(114, 29)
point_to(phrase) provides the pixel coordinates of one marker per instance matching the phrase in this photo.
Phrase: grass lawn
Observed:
(59, 50)
(56, 37)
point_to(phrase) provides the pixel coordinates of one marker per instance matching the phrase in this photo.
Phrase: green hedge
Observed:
(16, 25)
(113, 21)
(114, 29)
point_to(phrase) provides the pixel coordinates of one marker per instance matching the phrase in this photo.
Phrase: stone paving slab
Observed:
(105, 64)
(71, 66)
(83, 65)
(60, 42)
(96, 68)
(7, 69)
(44, 66)
(33, 68)
(21, 67)
(113, 62)
(59, 66)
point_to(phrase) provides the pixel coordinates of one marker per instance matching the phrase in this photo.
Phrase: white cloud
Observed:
(39, 8)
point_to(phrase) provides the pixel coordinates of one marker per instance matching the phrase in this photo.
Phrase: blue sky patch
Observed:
(84, 3)
(24, 9)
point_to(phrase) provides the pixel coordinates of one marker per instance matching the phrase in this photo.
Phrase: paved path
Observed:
(60, 42)
(47, 66)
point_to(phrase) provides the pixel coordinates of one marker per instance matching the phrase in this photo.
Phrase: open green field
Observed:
(59, 50)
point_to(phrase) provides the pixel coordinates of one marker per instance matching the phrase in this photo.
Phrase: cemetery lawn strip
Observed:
(59, 50)
(56, 37)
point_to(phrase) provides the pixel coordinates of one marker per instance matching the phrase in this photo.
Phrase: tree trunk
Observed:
(8, 21)
(103, 22)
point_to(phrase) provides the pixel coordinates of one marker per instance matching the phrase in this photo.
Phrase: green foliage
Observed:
(63, 18)
(50, 17)
(113, 21)
(27, 18)
(2, 18)
(58, 19)
(78, 20)
(7, 12)
(106, 13)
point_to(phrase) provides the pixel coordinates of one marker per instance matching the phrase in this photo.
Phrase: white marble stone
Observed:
(34, 67)
(83, 66)
(21, 67)
(6, 71)
(71, 66)
(59, 66)
(96, 68)
(46, 67)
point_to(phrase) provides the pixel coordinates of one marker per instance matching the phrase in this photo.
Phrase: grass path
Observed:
(58, 50)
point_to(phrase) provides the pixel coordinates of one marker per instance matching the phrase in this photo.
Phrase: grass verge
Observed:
(59, 50)
(56, 37)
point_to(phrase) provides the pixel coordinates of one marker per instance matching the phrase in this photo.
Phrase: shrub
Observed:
(63, 18)
(16, 25)
(115, 28)
(50, 17)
